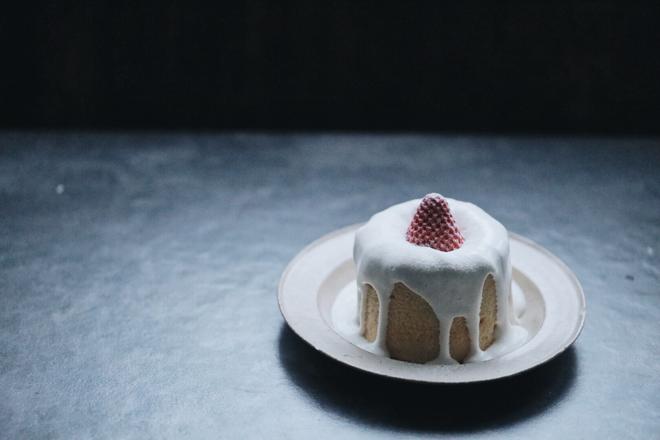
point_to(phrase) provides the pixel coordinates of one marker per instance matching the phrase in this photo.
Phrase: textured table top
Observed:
(138, 280)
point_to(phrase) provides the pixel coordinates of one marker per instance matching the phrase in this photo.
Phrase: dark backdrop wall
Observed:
(573, 66)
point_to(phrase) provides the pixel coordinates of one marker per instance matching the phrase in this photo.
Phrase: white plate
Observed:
(553, 315)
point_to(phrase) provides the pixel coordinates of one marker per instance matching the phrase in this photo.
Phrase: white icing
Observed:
(451, 282)
(517, 302)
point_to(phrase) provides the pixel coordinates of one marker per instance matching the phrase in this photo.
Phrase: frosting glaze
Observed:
(450, 282)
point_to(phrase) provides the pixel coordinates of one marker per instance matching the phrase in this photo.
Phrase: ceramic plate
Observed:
(320, 282)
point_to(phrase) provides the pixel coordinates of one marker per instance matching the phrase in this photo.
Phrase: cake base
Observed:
(413, 330)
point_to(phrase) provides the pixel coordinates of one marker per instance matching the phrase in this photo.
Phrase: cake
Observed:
(434, 281)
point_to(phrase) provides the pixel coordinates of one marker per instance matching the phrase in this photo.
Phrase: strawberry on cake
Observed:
(434, 281)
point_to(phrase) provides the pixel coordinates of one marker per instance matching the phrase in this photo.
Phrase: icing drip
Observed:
(450, 282)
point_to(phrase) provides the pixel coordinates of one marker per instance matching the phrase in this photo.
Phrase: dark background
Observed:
(514, 66)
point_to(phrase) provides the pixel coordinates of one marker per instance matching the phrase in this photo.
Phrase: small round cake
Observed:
(434, 281)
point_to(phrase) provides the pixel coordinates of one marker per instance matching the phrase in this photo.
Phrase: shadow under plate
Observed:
(393, 404)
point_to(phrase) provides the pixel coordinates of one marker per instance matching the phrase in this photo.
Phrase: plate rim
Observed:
(512, 235)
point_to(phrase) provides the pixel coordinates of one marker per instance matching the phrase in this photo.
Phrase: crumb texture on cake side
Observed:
(421, 305)
(413, 328)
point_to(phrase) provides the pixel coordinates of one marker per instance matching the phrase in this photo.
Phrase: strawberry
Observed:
(434, 226)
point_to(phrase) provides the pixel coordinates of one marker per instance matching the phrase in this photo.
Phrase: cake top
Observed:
(382, 242)
(434, 226)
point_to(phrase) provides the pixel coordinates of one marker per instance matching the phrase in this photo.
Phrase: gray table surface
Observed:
(138, 280)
